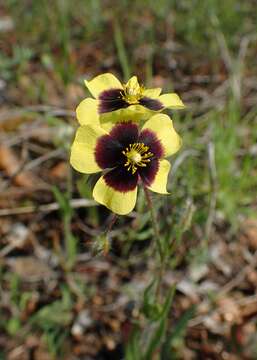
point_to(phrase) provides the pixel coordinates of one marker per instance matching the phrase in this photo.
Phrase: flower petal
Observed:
(148, 173)
(131, 113)
(111, 100)
(82, 156)
(87, 112)
(150, 139)
(120, 203)
(125, 133)
(162, 126)
(172, 101)
(159, 183)
(120, 179)
(108, 152)
(133, 83)
(151, 104)
(152, 93)
(101, 83)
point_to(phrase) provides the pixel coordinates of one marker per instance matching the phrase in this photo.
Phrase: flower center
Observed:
(132, 91)
(137, 154)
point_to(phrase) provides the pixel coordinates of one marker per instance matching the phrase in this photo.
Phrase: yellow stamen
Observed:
(137, 154)
(132, 91)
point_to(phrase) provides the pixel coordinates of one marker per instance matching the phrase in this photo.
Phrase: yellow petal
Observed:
(160, 182)
(118, 202)
(82, 156)
(101, 83)
(152, 93)
(133, 83)
(87, 112)
(131, 113)
(107, 126)
(162, 126)
(172, 101)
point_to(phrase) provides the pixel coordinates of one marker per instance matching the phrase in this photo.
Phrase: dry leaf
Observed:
(30, 268)
(60, 170)
(13, 168)
(249, 236)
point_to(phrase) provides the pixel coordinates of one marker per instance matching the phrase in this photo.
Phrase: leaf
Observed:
(13, 167)
(151, 309)
(13, 325)
(63, 201)
(159, 333)
(133, 349)
(55, 315)
(178, 332)
(30, 268)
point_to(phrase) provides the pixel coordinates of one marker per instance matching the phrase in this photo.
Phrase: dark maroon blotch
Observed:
(125, 133)
(151, 104)
(111, 100)
(150, 139)
(148, 173)
(120, 179)
(108, 152)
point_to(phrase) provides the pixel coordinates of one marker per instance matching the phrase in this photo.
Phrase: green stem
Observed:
(158, 242)
(114, 217)
(154, 221)
(121, 50)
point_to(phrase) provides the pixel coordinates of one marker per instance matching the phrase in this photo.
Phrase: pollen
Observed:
(137, 155)
(132, 91)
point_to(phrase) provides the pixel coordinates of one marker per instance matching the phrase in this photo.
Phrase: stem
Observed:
(158, 242)
(112, 222)
(109, 228)
(154, 221)
(121, 50)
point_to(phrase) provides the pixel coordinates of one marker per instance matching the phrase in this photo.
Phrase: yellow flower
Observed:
(127, 156)
(113, 101)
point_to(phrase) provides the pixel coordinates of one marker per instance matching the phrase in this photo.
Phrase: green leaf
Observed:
(177, 333)
(133, 349)
(55, 315)
(13, 325)
(63, 201)
(159, 333)
(151, 309)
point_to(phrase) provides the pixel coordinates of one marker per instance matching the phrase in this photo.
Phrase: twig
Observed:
(38, 161)
(30, 165)
(240, 276)
(74, 203)
(213, 192)
(241, 302)
(180, 159)
(56, 111)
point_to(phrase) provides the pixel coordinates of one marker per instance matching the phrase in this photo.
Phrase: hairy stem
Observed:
(114, 217)
(158, 242)
(154, 221)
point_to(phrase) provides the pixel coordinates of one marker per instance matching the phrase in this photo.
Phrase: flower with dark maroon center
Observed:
(128, 156)
(114, 101)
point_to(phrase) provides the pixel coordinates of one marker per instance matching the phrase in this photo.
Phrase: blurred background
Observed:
(63, 295)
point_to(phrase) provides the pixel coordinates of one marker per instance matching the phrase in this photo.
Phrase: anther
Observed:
(137, 155)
